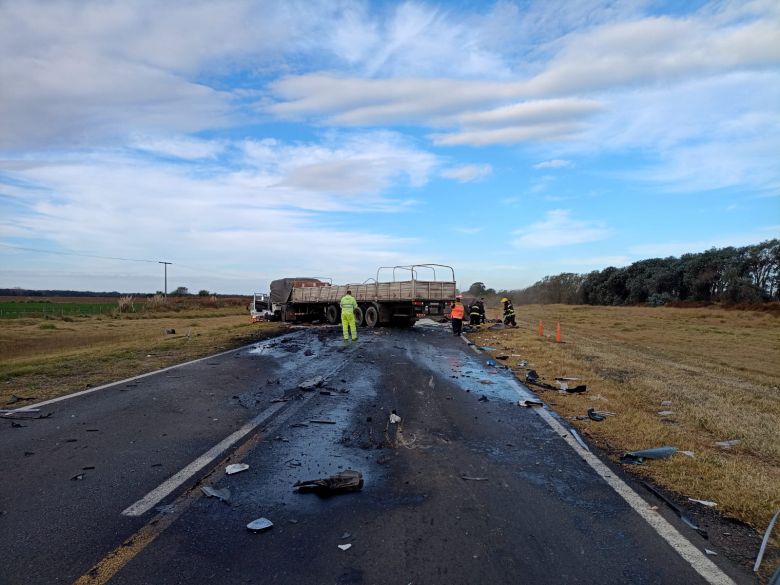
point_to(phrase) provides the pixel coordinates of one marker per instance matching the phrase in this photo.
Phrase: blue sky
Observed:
(245, 140)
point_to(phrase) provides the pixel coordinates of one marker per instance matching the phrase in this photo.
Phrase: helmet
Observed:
(504, 299)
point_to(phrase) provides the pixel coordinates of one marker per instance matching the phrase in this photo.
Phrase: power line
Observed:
(60, 253)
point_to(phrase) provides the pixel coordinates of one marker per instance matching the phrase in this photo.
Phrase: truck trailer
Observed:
(390, 302)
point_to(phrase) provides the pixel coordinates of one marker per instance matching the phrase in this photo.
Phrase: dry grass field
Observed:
(45, 358)
(719, 369)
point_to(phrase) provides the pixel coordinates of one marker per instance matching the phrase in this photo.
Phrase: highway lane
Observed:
(532, 510)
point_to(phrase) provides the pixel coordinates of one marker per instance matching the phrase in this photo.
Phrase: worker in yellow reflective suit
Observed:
(348, 306)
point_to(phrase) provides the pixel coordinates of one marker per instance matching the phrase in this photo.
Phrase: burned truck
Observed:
(400, 301)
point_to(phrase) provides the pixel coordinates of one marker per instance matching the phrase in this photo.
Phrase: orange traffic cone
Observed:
(541, 328)
(557, 333)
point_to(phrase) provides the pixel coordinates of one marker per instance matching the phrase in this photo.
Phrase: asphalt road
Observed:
(468, 488)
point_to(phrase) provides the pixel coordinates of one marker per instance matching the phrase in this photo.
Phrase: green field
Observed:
(13, 309)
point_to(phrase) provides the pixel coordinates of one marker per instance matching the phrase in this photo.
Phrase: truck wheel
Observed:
(358, 316)
(332, 314)
(371, 316)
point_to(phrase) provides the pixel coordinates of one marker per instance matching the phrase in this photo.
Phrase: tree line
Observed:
(750, 274)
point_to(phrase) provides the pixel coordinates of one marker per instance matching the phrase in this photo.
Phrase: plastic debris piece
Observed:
(222, 495)
(78, 477)
(712, 553)
(348, 480)
(490, 363)
(654, 453)
(530, 402)
(259, 525)
(523, 363)
(666, 403)
(345, 546)
(394, 418)
(236, 468)
(469, 478)
(486, 348)
(311, 383)
(707, 503)
(728, 444)
(579, 439)
(768, 532)
(686, 520)
(688, 453)
(665, 413)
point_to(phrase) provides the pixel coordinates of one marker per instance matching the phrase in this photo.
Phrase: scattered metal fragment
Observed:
(236, 468)
(712, 553)
(486, 348)
(654, 453)
(259, 525)
(533, 378)
(686, 520)
(490, 363)
(767, 534)
(502, 357)
(593, 415)
(322, 421)
(348, 480)
(469, 478)
(312, 383)
(345, 546)
(394, 418)
(78, 477)
(523, 363)
(577, 389)
(530, 402)
(727, 444)
(88, 467)
(577, 438)
(566, 379)
(707, 503)
(298, 424)
(223, 495)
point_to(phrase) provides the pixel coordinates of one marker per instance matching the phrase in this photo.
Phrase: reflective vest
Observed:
(458, 310)
(474, 310)
(508, 309)
(348, 304)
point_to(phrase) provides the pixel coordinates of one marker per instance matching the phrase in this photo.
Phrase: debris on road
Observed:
(638, 457)
(666, 403)
(577, 438)
(767, 534)
(222, 495)
(533, 378)
(710, 552)
(322, 421)
(345, 546)
(280, 400)
(348, 480)
(502, 357)
(259, 525)
(483, 398)
(236, 468)
(78, 477)
(490, 363)
(522, 363)
(686, 520)
(707, 503)
(665, 413)
(597, 416)
(688, 454)
(486, 382)
(486, 348)
(577, 389)
(530, 402)
(469, 478)
(311, 383)
(394, 418)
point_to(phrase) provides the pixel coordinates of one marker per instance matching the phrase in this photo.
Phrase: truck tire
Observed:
(371, 315)
(332, 314)
(358, 316)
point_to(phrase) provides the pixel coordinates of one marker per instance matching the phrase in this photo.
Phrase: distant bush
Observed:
(125, 304)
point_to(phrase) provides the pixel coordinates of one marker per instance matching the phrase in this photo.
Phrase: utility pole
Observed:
(166, 277)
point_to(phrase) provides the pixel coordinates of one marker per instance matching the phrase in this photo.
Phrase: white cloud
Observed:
(556, 163)
(559, 229)
(468, 173)
(180, 147)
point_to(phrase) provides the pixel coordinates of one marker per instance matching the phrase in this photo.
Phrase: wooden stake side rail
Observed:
(406, 290)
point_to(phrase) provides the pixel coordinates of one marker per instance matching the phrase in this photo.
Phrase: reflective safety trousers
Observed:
(347, 322)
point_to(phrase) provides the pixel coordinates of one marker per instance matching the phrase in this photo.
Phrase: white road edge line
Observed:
(164, 489)
(696, 558)
(126, 380)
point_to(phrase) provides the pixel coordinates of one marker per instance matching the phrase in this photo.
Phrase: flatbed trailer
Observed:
(399, 302)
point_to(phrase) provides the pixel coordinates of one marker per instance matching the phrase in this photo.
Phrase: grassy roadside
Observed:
(719, 369)
(46, 358)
